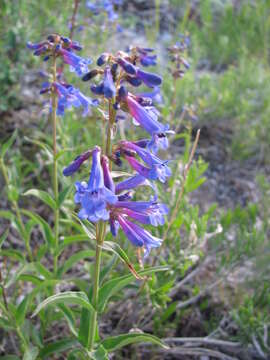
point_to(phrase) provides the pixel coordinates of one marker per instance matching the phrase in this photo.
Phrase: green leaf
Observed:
(113, 286)
(17, 273)
(84, 329)
(116, 342)
(10, 357)
(6, 214)
(57, 347)
(63, 194)
(5, 323)
(48, 234)
(106, 269)
(74, 259)
(43, 146)
(22, 310)
(78, 354)
(117, 250)
(13, 254)
(68, 297)
(31, 353)
(43, 196)
(3, 237)
(89, 229)
(42, 270)
(6, 146)
(99, 354)
(70, 318)
(68, 240)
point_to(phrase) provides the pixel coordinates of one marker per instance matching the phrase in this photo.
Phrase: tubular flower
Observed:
(145, 58)
(138, 236)
(77, 63)
(61, 46)
(132, 183)
(148, 119)
(109, 89)
(69, 96)
(146, 212)
(157, 169)
(76, 163)
(149, 79)
(94, 196)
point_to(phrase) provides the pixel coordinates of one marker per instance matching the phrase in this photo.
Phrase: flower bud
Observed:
(93, 73)
(102, 59)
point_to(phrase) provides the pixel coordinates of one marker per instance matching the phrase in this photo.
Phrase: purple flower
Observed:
(108, 181)
(148, 213)
(138, 236)
(77, 63)
(70, 44)
(94, 196)
(103, 59)
(149, 79)
(69, 96)
(152, 97)
(127, 66)
(37, 46)
(157, 169)
(97, 89)
(76, 163)
(133, 80)
(104, 5)
(132, 183)
(148, 119)
(156, 172)
(108, 84)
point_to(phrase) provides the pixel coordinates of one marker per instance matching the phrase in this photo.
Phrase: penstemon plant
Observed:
(104, 203)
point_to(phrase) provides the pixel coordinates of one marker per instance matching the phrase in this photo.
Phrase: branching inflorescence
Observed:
(101, 199)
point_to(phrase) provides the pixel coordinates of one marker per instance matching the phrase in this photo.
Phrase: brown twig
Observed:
(73, 18)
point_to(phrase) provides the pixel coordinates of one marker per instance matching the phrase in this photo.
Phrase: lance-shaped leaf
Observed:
(74, 259)
(43, 196)
(31, 353)
(69, 240)
(100, 354)
(113, 286)
(68, 297)
(116, 342)
(63, 194)
(116, 249)
(48, 234)
(3, 237)
(57, 347)
(6, 146)
(89, 229)
(48, 150)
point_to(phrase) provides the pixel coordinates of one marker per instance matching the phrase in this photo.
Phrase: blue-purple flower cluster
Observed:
(61, 46)
(101, 199)
(56, 46)
(177, 56)
(107, 6)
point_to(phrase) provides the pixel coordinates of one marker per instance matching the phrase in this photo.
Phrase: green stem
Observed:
(109, 128)
(100, 231)
(100, 235)
(54, 175)
(10, 316)
(17, 212)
